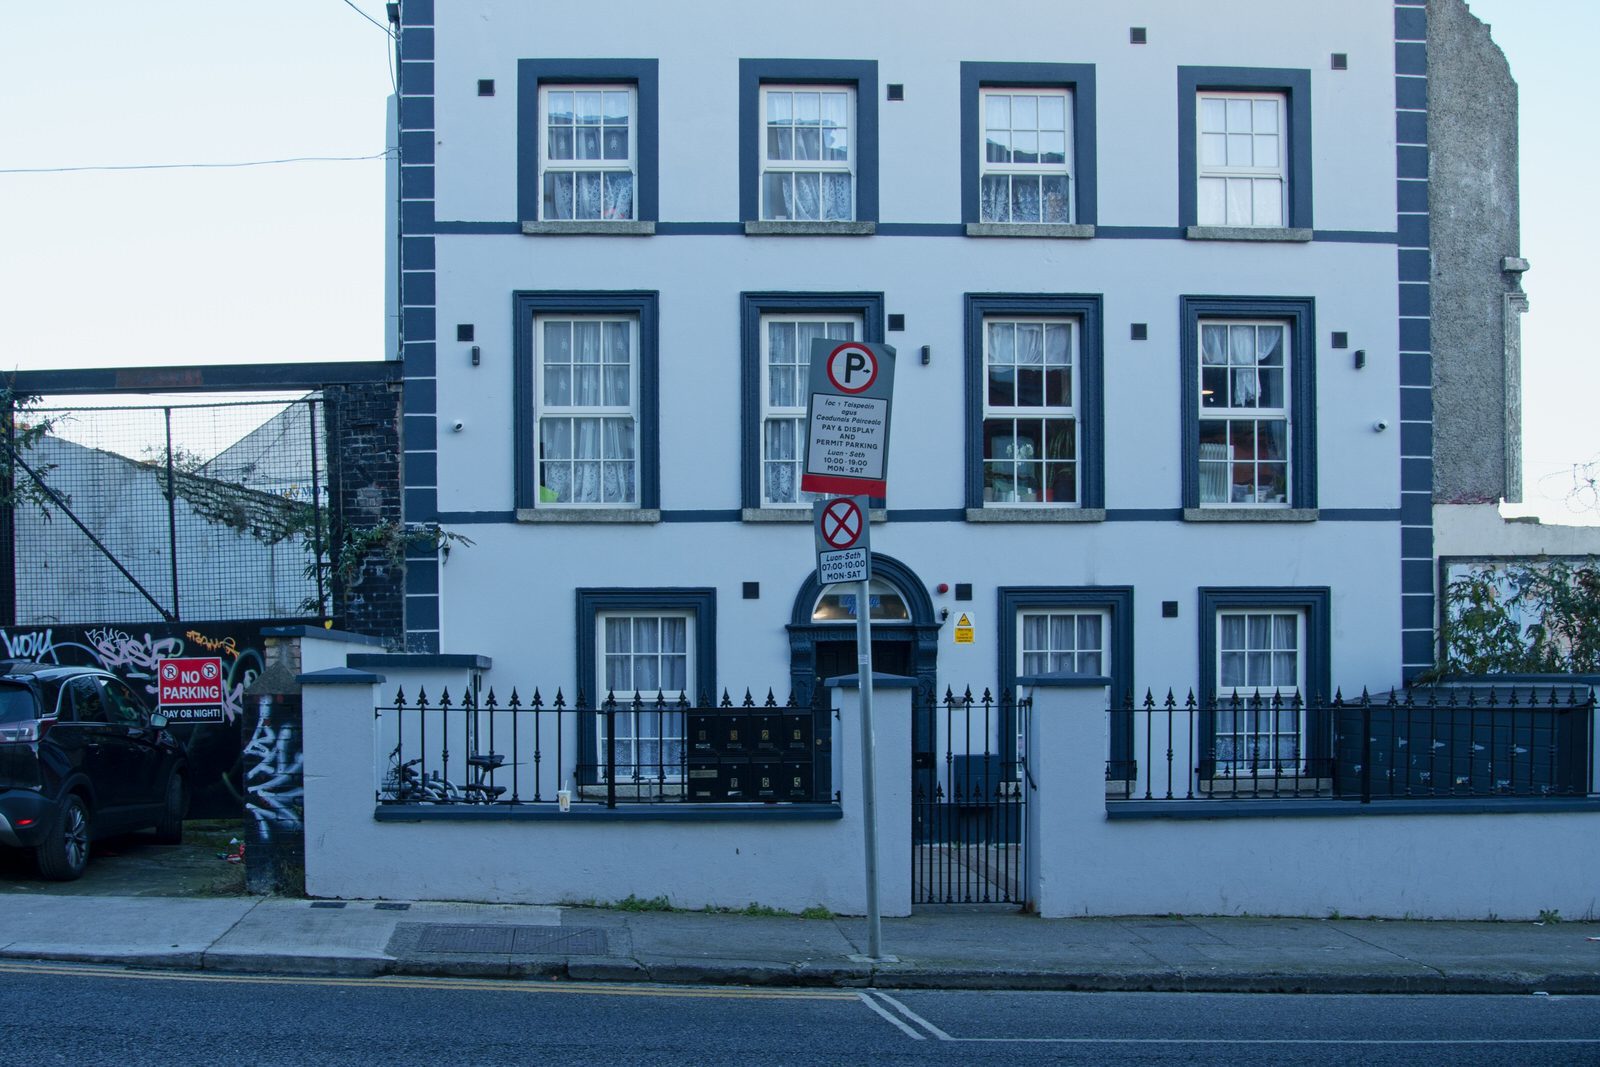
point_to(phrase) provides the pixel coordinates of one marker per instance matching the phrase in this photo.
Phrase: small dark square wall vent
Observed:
(464, 332)
(897, 323)
(896, 91)
(485, 86)
(1139, 331)
(963, 590)
(1341, 61)
(1137, 35)
(1169, 609)
(1341, 339)
(752, 590)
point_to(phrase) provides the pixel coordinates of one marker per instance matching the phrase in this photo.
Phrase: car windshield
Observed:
(17, 704)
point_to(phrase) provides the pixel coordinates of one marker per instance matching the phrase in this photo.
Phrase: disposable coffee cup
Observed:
(564, 799)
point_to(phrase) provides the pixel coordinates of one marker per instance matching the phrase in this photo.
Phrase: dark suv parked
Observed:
(82, 757)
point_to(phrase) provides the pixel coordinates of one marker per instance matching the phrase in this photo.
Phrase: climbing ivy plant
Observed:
(1538, 617)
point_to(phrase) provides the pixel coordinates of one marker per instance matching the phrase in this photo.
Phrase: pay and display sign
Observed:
(844, 550)
(847, 418)
(190, 689)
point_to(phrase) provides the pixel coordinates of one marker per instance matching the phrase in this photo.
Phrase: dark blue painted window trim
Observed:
(642, 305)
(1118, 600)
(640, 73)
(701, 602)
(862, 74)
(1295, 84)
(1086, 307)
(751, 307)
(1079, 77)
(1300, 315)
(1315, 601)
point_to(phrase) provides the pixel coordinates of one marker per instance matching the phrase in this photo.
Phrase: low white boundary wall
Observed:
(1435, 866)
(591, 854)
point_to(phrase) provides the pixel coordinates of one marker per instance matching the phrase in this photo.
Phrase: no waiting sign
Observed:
(844, 552)
(190, 689)
(847, 418)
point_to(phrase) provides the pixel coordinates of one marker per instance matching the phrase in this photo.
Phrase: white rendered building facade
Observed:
(1158, 292)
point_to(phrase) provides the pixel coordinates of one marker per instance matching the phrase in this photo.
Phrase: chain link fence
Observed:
(170, 510)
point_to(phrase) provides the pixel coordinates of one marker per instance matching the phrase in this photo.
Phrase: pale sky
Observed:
(285, 263)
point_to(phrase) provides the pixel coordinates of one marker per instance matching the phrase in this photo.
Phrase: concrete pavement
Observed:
(950, 948)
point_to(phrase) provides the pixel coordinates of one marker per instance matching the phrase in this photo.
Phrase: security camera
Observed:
(458, 426)
(1378, 427)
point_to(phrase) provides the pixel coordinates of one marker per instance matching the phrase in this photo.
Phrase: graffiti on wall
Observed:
(131, 653)
(274, 786)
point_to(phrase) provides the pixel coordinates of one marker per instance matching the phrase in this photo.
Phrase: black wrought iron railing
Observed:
(1430, 743)
(969, 797)
(478, 750)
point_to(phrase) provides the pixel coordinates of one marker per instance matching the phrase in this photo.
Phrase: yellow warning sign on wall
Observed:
(964, 631)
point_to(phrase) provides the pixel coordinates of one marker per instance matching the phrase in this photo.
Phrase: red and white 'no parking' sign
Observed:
(843, 551)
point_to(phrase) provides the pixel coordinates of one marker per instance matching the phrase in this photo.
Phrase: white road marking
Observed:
(869, 1002)
(914, 1017)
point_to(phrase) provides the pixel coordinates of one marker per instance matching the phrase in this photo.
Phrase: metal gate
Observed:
(968, 803)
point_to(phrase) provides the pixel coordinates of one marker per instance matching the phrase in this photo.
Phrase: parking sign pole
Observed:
(869, 800)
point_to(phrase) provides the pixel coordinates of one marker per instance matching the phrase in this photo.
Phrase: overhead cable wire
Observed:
(369, 18)
(194, 166)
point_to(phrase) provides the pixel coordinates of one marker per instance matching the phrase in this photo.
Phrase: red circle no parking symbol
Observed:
(841, 523)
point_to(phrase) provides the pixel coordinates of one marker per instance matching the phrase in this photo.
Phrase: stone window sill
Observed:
(798, 515)
(809, 229)
(1267, 514)
(576, 514)
(1248, 233)
(1029, 229)
(589, 229)
(1044, 514)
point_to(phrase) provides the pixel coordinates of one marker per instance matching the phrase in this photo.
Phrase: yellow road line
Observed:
(501, 985)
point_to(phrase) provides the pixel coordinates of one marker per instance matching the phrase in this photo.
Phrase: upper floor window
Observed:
(1244, 412)
(808, 146)
(786, 360)
(1249, 406)
(776, 331)
(1030, 420)
(588, 153)
(807, 169)
(1025, 172)
(588, 451)
(1243, 165)
(1244, 153)
(587, 146)
(1028, 148)
(586, 400)
(1034, 404)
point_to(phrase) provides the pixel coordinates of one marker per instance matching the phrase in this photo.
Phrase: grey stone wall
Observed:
(1473, 201)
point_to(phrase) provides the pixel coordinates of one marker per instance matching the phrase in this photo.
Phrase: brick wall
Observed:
(364, 484)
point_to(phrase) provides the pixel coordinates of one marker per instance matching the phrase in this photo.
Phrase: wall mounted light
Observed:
(1361, 358)
(927, 355)
(477, 355)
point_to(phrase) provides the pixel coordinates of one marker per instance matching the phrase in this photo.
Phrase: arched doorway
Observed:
(905, 641)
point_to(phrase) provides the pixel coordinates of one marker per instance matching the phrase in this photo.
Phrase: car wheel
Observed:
(169, 831)
(65, 852)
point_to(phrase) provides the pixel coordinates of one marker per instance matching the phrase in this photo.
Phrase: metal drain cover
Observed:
(467, 939)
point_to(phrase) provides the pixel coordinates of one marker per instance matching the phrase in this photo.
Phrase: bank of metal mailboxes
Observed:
(758, 756)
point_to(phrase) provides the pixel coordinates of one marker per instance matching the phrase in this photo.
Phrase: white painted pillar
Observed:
(891, 712)
(341, 768)
(1069, 739)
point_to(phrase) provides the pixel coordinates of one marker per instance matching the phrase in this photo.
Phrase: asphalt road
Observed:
(62, 1014)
